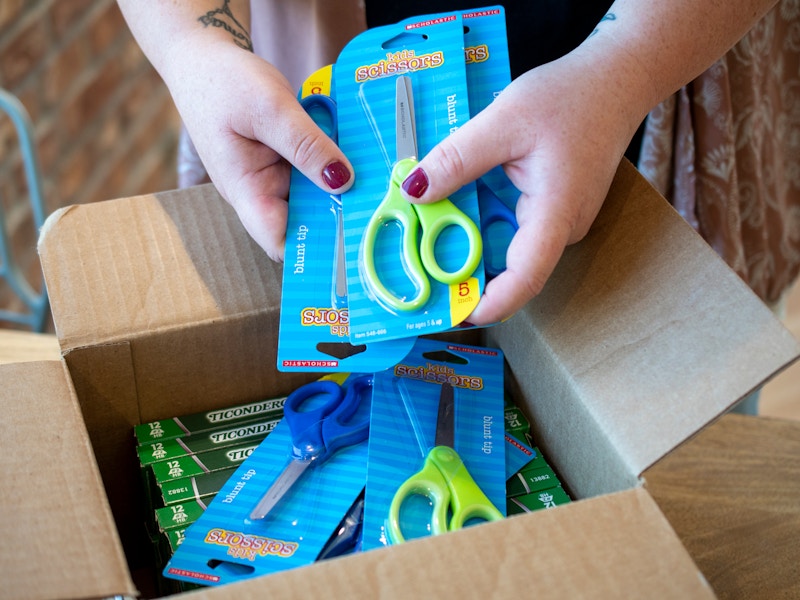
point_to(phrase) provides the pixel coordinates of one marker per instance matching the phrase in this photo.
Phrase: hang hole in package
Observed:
(314, 320)
(411, 269)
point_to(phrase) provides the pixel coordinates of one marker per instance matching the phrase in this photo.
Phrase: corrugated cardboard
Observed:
(642, 336)
(59, 539)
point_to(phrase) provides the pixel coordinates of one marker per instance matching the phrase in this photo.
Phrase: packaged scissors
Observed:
(488, 73)
(281, 506)
(315, 317)
(411, 269)
(437, 444)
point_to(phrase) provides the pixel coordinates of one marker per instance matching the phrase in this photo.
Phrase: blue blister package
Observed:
(411, 269)
(315, 316)
(488, 73)
(282, 504)
(406, 431)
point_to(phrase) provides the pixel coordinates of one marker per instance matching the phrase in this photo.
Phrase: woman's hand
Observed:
(560, 132)
(248, 128)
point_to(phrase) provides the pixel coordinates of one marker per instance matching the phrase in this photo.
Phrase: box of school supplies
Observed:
(163, 305)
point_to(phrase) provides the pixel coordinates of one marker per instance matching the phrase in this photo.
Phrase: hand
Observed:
(248, 128)
(560, 132)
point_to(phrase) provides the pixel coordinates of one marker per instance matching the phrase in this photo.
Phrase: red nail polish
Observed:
(335, 175)
(416, 183)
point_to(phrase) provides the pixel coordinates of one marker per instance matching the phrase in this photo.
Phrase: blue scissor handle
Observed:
(337, 429)
(319, 432)
(306, 426)
(314, 104)
(493, 210)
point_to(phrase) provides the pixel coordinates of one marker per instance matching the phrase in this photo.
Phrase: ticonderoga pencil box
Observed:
(529, 481)
(210, 440)
(168, 542)
(176, 516)
(549, 498)
(178, 427)
(192, 488)
(203, 462)
(170, 451)
(517, 425)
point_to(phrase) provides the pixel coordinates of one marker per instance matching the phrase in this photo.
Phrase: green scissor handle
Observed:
(419, 261)
(443, 479)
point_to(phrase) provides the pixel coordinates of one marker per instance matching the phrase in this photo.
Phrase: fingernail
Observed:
(416, 183)
(335, 175)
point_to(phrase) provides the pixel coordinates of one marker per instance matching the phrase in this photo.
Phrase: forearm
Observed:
(651, 49)
(166, 30)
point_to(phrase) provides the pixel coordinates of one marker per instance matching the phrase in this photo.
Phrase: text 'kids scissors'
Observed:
(322, 110)
(444, 480)
(317, 433)
(419, 259)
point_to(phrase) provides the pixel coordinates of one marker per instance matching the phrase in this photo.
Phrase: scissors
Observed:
(322, 110)
(493, 210)
(419, 259)
(445, 480)
(317, 433)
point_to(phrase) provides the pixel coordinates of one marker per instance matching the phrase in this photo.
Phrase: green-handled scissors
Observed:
(445, 480)
(419, 258)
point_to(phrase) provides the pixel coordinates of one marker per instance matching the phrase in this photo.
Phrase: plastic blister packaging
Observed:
(314, 330)
(404, 422)
(393, 290)
(240, 537)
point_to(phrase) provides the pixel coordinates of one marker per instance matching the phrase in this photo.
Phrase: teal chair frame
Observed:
(36, 303)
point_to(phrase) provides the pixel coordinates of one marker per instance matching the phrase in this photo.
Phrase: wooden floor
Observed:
(781, 396)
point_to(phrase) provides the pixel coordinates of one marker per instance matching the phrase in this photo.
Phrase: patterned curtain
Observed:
(725, 151)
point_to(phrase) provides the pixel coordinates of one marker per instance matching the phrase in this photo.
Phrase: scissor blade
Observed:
(280, 486)
(340, 273)
(404, 119)
(446, 419)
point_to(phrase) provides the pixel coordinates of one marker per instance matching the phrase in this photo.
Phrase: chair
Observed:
(36, 304)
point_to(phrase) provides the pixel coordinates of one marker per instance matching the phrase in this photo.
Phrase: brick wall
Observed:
(105, 126)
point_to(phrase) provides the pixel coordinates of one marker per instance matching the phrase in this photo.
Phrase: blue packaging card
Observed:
(429, 51)
(403, 427)
(488, 73)
(517, 455)
(315, 317)
(224, 545)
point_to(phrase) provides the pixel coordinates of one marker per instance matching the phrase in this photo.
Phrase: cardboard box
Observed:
(163, 306)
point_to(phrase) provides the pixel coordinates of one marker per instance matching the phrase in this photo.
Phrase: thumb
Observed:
(460, 158)
(310, 150)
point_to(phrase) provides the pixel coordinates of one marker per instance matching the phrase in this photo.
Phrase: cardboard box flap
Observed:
(121, 268)
(60, 540)
(617, 546)
(650, 333)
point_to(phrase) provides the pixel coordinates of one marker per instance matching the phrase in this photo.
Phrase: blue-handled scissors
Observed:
(419, 258)
(493, 210)
(445, 480)
(317, 433)
(322, 109)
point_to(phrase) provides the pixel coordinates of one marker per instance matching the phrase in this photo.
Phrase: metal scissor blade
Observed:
(405, 124)
(446, 418)
(280, 486)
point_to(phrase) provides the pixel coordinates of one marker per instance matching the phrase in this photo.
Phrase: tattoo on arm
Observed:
(607, 17)
(223, 17)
